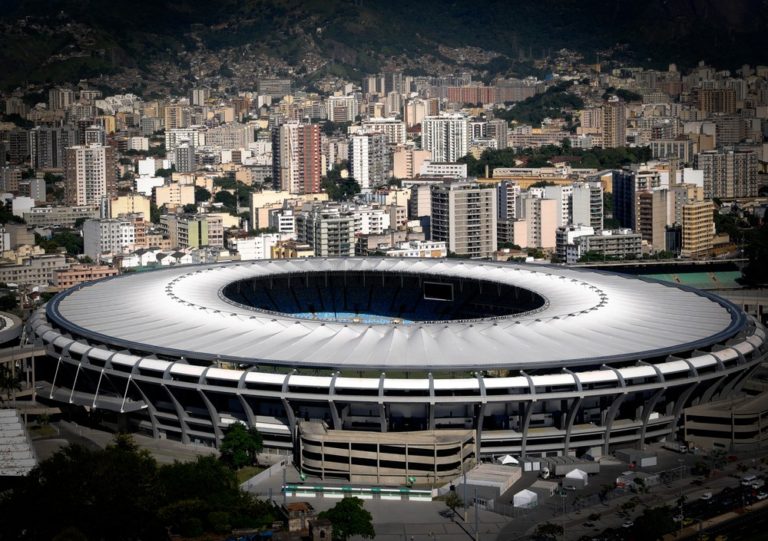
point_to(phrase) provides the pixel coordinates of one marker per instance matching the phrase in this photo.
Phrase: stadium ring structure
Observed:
(379, 368)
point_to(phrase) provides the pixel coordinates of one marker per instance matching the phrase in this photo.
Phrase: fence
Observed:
(256, 480)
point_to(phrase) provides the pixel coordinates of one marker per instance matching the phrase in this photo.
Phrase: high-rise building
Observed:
(563, 195)
(446, 136)
(176, 116)
(60, 98)
(193, 230)
(587, 205)
(329, 231)
(536, 223)
(464, 217)
(406, 161)
(627, 184)
(310, 158)
(297, 158)
(342, 108)
(651, 218)
(698, 228)
(18, 146)
(717, 100)
(276, 88)
(392, 127)
(614, 123)
(728, 173)
(369, 159)
(90, 174)
(200, 95)
(47, 146)
(184, 158)
(498, 129)
(108, 236)
(94, 135)
(417, 109)
(507, 194)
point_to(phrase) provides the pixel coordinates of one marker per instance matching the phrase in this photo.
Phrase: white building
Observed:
(251, 248)
(418, 248)
(587, 205)
(108, 236)
(90, 174)
(341, 108)
(145, 184)
(431, 168)
(446, 136)
(393, 128)
(562, 195)
(369, 159)
(174, 137)
(370, 220)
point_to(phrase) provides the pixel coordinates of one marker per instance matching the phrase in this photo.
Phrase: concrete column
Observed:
(571, 416)
(249, 415)
(214, 415)
(647, 409)
(610, 415)
(524, 429)
(74, 384)
(180, 414)
(151, 409)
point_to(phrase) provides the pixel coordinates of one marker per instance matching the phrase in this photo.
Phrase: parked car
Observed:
(628, 524)
(761, 496)
(706, 496)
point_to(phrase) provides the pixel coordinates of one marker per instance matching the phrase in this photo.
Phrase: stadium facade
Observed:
(373, 369)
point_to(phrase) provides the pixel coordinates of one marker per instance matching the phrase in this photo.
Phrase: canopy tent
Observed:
(507, 459)
(576, 479)
(525, 498)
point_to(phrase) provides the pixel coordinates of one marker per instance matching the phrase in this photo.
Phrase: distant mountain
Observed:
(52, 40)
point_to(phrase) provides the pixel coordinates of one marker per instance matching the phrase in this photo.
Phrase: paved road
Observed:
(164, 451)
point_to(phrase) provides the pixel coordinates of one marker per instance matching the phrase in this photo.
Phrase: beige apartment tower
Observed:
(464, 217)
(698, 228)
(614, 123)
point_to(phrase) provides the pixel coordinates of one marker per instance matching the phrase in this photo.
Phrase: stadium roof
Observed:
(590, 317)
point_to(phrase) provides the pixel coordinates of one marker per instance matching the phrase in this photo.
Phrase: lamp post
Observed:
(682, 468)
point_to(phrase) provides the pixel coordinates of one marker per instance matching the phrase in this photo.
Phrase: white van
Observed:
(748, 479)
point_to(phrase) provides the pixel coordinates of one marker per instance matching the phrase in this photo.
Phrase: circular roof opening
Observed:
(376, 298)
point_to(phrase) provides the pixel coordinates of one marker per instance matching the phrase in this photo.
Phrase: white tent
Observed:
(576, 478)
(507, 459)
(525, 498)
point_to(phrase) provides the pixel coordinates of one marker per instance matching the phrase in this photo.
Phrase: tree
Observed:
(756, 271)
(201, 194)
(337, 187)
(240, 445)
(452, 500)
(10, 382)
(190, 208)
(654, 523)
(154, 213)
(8, 302)
(120, 493)
(349, 518)
(547, 530)
(227, 199)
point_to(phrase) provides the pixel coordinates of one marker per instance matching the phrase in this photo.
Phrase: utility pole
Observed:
(477, 519)
(285, 487)
(466, 510)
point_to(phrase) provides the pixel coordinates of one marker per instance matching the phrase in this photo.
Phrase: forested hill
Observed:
(56, 38)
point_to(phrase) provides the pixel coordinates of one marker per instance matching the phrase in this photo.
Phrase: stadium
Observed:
(372, 369)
